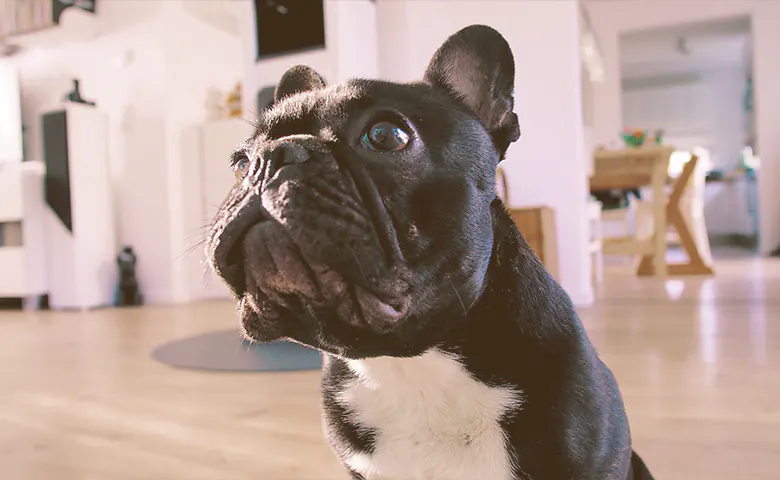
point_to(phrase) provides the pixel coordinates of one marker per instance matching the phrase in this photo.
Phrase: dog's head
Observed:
(361, 217)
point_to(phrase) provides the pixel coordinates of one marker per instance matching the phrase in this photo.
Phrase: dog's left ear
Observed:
(476, 65)
(299, 78)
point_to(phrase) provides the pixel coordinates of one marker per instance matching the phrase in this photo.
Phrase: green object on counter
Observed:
(634, 139)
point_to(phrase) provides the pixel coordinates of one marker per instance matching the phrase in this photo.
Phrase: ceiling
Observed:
(685, 49)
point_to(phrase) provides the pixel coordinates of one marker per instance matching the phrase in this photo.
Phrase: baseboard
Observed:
(162, 297)
(734, 240)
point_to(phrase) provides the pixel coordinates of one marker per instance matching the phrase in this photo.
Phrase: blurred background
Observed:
(646, 180)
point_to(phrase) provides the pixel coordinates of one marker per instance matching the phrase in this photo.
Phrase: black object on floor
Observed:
(127, 291)
(228, 351)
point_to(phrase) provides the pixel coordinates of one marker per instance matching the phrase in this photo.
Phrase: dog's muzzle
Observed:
(312, 228)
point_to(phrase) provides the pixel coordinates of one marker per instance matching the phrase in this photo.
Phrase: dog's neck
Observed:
(518, 292)
(522, 311)
(519, 285)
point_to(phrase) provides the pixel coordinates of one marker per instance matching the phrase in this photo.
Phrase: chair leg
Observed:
(699, 228)
(598, 266)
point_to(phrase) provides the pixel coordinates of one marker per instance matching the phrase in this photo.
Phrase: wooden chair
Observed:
(691, 208)
(596, 243)
(697, 263)
(633, 168)
(537, 224)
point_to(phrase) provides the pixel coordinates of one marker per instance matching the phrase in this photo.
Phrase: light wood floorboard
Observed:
(698, 361)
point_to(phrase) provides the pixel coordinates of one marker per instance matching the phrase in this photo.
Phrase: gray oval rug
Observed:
(228, 351)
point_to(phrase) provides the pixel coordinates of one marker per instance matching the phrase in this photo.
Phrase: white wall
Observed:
(610, 19)
(197, 58)
(10, 114)
(350, 48)
(136, 129)
(148, 66)
(546, 166)
(706, 110)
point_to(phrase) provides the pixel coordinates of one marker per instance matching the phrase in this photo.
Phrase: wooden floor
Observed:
(80, 398)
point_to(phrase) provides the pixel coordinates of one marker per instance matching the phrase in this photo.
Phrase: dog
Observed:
(365, 223)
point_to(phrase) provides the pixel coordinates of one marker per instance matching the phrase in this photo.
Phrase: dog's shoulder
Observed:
(525, 331)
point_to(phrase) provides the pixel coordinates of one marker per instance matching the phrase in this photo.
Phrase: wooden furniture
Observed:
(22, 248)
(537, 224)
(635, 168)
(621, 222)
(696, 264)
(691, 207)
(596, 241)
(632, 168)
(621, 217)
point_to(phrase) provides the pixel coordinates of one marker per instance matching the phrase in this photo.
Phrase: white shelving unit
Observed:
(22, 252)
(79, 221)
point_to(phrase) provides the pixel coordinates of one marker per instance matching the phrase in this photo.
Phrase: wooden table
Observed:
(638, 167)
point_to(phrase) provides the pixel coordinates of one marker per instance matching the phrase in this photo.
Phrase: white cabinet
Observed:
(22, 249)
(80, 234)
(215, 141)
(220, 139)
(727, 208)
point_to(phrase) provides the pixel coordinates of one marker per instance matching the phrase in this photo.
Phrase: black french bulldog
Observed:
(365, 223)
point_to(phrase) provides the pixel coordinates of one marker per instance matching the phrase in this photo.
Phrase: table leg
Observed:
(659, 218)
(695, 264)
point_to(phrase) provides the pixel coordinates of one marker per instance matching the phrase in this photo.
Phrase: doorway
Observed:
(692, 85)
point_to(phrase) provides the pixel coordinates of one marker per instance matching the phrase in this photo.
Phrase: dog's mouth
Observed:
(312, 258)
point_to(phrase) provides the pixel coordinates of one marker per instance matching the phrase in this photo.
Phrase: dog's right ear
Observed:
(299, 78)
(476, 65)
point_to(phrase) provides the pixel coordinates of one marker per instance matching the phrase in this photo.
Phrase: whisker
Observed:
(255, 123)
(458, 295)
(208, 275)
(201, 230)
(189, 249)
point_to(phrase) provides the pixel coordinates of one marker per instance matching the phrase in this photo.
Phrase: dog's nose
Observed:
(288, 153)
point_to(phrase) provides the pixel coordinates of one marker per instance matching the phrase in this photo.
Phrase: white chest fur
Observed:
(433, 420)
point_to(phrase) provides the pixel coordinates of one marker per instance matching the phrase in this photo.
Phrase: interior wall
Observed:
(350, 48)
(10, 119)
(610, 19)
(542, 168)
(705, 109)
(217, 65)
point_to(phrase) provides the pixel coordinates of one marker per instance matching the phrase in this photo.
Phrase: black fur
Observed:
(297, 79)
(364, 253)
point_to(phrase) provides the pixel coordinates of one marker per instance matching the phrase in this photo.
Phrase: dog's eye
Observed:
(385, 137)
(241, 167)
